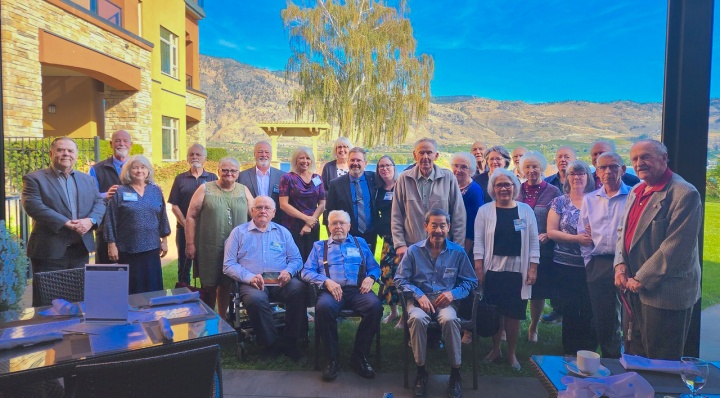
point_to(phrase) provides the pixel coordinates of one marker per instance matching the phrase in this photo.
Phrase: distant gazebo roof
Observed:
(293, 129)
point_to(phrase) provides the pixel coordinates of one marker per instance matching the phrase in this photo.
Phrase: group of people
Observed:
(584, 239)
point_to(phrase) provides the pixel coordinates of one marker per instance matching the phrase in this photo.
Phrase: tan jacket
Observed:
(408, 212)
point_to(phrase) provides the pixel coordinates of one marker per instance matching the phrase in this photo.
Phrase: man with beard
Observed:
(600, 216)
(656, 258)
(345, 269)
(107, 176)
(438, 273)
(355, 194)
(263, 180)
(182, 191)
(420, 189)
(563, 157)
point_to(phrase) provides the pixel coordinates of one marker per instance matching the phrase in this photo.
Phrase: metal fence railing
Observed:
(27, 154)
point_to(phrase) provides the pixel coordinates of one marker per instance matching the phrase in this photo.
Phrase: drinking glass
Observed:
(694, 373)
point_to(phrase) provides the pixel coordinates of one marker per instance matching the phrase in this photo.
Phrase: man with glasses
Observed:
(263, 257)
(355, 194)
(182, 190)
(420, 189)
(263, 180)
(107, 176)
(598, 149)
(345, 269)
(600, 216)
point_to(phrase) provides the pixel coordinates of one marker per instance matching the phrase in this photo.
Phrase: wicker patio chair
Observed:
(185, 374)
(65, 284)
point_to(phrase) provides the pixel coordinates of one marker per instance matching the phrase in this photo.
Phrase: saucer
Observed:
(572, 368)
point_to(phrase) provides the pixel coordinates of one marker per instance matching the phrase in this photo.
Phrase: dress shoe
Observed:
(454, 389)
(361, 366)
(331, 369)
(420, 386)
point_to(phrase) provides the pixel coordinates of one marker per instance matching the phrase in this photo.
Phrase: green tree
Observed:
(357, 69)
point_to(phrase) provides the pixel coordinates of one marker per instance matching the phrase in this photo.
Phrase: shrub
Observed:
(216, 153)
(13, 270)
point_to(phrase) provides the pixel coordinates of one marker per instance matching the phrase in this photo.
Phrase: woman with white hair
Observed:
(216, 208)
(577, 330)
(506, 253)
(136, 225)
(341, 165)
(538, 194)
(302, 199)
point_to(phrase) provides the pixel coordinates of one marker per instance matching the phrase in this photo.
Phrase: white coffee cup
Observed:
(588, 361)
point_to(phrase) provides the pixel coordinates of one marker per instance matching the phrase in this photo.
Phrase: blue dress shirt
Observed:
(344, 261)
(366, 200)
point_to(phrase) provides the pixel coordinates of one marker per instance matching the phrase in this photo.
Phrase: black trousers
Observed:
(75, 256)
(577, 329)
(328, 309)
(101, 248)
(184, 264)
(605, 304)
(656, 333)
(257, 304)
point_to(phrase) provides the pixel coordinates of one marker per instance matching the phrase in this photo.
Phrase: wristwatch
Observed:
(93, 221)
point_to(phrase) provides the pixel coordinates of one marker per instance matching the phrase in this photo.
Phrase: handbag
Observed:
(193, 287)
(487, 319)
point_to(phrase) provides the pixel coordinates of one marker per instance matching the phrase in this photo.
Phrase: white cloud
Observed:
(227, 44)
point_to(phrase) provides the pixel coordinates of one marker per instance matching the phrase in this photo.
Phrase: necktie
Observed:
(360, 207)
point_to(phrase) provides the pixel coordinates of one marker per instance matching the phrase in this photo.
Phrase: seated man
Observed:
(345, 269)
(262, 248)
(437, 272)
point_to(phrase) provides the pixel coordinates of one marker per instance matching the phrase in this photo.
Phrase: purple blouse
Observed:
(304, 197)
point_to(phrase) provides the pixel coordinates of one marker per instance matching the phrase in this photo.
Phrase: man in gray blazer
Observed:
(656, 259)
(65, 206)
(263, 180)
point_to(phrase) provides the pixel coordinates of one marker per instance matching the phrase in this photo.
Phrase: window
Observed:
(169, 138)
(168, 53)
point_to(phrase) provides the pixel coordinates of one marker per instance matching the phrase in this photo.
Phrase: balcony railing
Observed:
(104, 9)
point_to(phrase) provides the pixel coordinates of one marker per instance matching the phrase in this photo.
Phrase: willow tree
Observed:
(356, 66)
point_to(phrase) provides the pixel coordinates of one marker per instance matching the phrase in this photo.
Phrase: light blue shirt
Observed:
(250, 251)
(344, 261)
(450, 271)
(263, 182)
(604, 216)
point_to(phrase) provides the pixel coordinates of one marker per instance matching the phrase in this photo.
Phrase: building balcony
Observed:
(197, 7)
(104, 9)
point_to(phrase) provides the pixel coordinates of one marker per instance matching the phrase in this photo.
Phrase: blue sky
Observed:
(531, 50)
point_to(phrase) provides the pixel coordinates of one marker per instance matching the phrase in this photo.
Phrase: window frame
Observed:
(174, 53)
(172, 128)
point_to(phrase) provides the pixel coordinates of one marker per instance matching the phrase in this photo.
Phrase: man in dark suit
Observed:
(65, 206)
(656, 258)
(107, 177)
(263, 180)
(598, 149)
(343, 194)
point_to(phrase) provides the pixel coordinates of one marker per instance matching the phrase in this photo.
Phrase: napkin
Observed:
(165, 328)
(30, 340)
(61, 307)
(625, 385)
(636, 362)
(177, 299)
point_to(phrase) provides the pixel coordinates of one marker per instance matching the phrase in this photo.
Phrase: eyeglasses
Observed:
(611, 167)
(229, 171)
(504, 185)
(385, 166)
(579, 174)
(461, 166)
(496, 159)
(261, 208)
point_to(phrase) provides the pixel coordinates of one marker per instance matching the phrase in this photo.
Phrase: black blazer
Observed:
(249, 179)
(46, 203)
(340, 198)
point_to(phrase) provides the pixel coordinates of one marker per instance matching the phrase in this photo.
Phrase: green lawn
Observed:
(549, 341)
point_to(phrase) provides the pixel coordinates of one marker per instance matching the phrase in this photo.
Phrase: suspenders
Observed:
(363, 268)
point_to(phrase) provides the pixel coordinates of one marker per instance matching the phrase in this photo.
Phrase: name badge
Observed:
(449, 273)
(353, 252)
(388, 196)
(130, 197)
(276, 246)
(519, 224)
(316, 180)
(276, 188)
